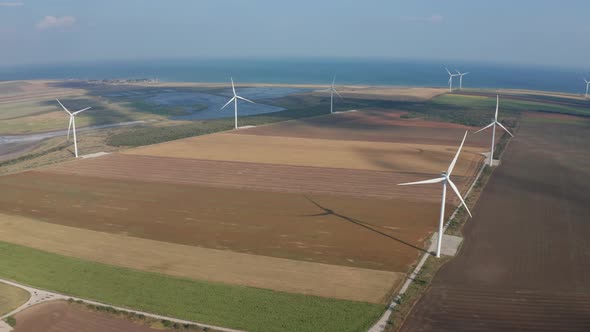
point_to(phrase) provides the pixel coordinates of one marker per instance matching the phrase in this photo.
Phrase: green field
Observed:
(11, 298)
(213, 303)
(23, 108)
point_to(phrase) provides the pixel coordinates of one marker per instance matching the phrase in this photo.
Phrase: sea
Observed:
(314, 71)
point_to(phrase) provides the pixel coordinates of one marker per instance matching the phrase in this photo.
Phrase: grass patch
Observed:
(212, 303)
(11, 298)
(10, 321)
(478, 111)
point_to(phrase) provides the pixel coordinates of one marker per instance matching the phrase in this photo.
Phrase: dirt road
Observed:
(525, 264)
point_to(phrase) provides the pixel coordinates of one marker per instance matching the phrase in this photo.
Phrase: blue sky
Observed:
(522, 32)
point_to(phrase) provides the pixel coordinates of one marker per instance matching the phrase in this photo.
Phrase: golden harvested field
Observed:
(376, 156)
(11, 298)
(194, 262)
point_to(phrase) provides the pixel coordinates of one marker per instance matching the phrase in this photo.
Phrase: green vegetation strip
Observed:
(237, 307)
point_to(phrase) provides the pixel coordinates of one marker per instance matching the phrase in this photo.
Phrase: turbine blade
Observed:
(447, 69)
(227, 103)
(82, 110)
(497, 105)
(484, 128)
(244, 99)
(62, 106)
(69, 127)
(337, 93)
(466, 73)
(450, 170)
(499, 124)
(422, 182)
(333, 81)
(459, 195)
(458, 72)
(232, 86)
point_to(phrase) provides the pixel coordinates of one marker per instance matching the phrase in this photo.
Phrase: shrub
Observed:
(10, 321)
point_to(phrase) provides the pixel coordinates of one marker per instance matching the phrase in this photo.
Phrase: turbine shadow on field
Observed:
(357, 222)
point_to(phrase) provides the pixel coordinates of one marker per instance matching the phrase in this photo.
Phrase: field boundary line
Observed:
(381, 324)
(41, 296)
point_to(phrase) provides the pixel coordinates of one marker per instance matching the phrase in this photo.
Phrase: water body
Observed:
(213, 103)
(315, 71)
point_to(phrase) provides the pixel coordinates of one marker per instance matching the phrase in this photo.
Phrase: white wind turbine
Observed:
(235, 100)
(461, 78)
(451, 79)
(72, 124)
(493, 125)
(444, 178)
(587, 84)
(332, 90)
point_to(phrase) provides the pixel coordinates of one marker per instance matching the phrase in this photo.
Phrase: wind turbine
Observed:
(587, 84)
(493, 125)
(72, 124)
(451, 79)
(332, 90)
(444, 178)
(235, 100)
(461, 78)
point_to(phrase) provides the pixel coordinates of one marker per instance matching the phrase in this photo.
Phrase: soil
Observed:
(285, 275)
(319, 228)
(525, 263)
(360, 155)
(63, 317)
(376, 125)
(265, 177)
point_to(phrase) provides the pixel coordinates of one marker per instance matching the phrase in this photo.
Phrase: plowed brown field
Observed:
(63, 317)
(373, 126)
(525, 263)
(369, 233)
(375, 156)
(239, 175)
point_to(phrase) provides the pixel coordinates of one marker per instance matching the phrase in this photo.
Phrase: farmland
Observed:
(221, 304)
(61, 316)
(302, 213)
(11, 298)
(524, 265)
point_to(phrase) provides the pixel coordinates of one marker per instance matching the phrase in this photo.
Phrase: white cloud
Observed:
(432, 19)
(12, 4)
(49, 22)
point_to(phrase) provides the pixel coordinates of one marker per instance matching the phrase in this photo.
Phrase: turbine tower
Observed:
(444, 178)
(451, 79)
(235, 100)
(587, 84)
(493, 125)
(461, 78)
(72, 124)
